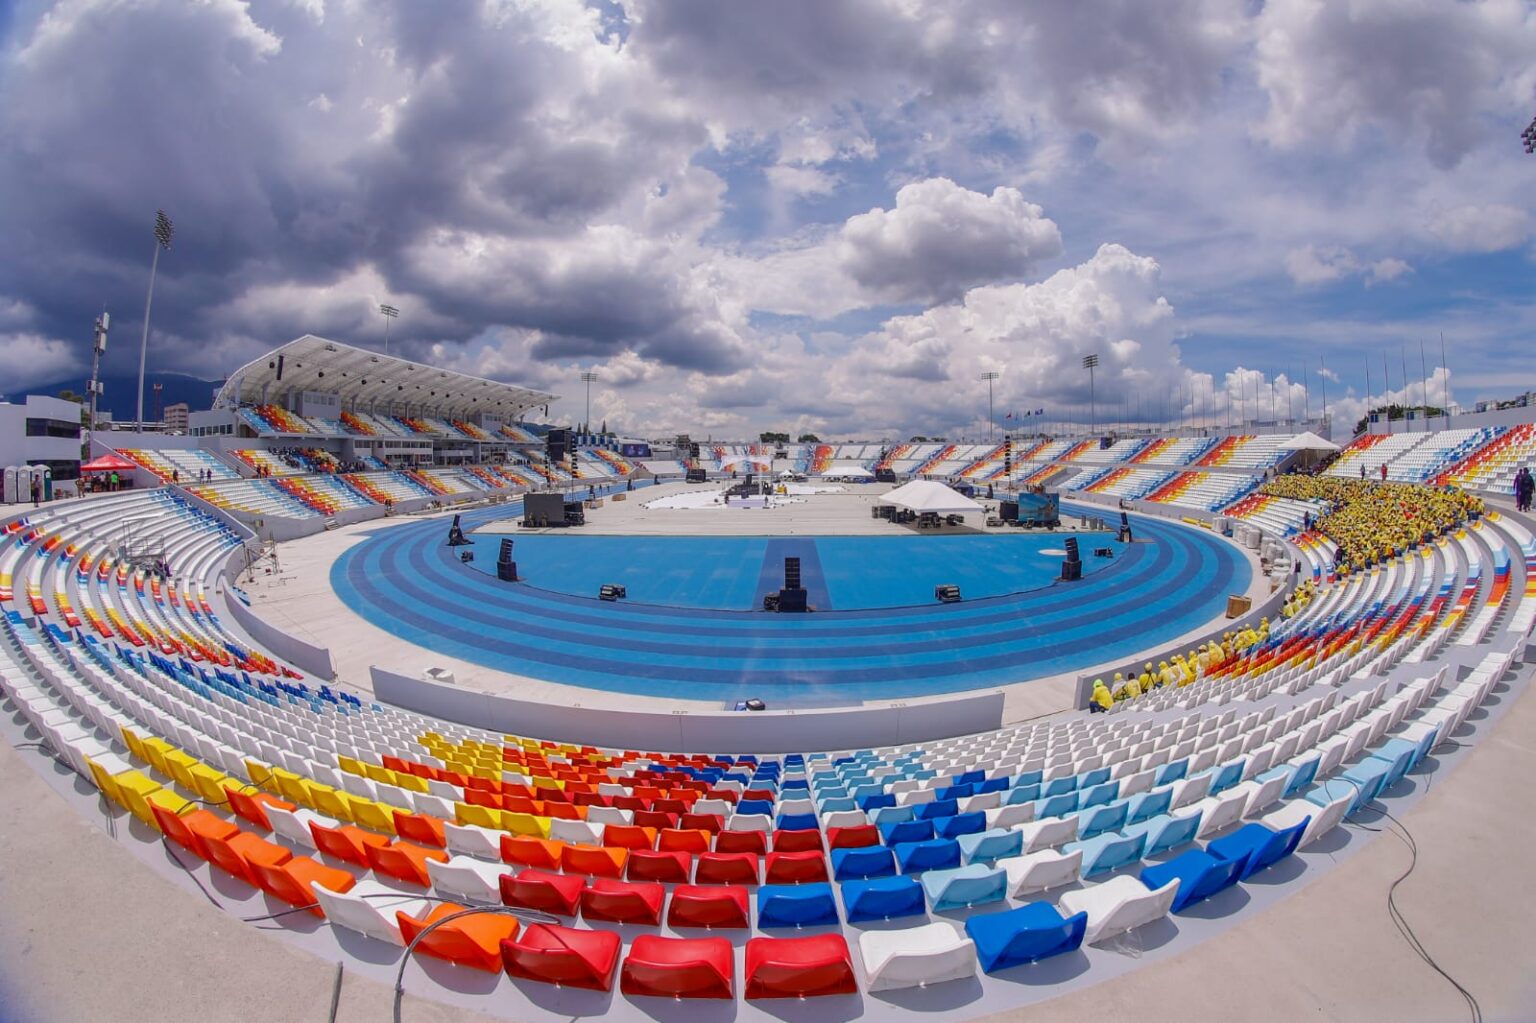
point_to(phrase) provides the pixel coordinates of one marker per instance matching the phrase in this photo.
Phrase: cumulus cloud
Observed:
(1484, 227)
(941, 239)
(1333, 69)
(1314, 265)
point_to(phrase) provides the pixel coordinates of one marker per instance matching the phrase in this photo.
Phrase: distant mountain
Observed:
(122, 392)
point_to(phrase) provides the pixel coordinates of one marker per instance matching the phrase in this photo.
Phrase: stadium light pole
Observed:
(163, 234)
(587, 377)
(989, 377)
(1089, 362)
(1528, 137)
(389, 312)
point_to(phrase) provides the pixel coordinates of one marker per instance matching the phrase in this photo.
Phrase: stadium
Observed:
(719, 733)
(657, 510)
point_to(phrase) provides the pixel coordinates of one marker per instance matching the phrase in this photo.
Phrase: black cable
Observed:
(195, 879)
(336, 992)
(523, 915)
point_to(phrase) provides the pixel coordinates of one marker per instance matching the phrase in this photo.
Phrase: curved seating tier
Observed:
(933, 864)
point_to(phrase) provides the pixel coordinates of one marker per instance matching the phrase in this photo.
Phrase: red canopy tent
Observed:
(108, 463)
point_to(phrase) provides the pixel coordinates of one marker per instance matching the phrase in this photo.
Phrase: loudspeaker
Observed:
(456, 537)
(279, 367)
(791, 573)
(792, 600)
(755, 704)
(506, 568)
(611, 591)
(1072, 565)
(1124, 535)
(557, 444)
(697, 476)
(1008, 511)
(946, 593)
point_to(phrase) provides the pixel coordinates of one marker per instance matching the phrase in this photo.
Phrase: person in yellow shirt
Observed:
(1119, 692)
(1100, 700)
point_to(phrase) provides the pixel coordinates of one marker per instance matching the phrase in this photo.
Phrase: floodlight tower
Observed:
(1089, 362)
(989, 377)
(163, 234)
(389, 312)
(587, 377)
(1528, 136)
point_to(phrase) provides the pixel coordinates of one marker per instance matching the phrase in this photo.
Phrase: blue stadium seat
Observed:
(883, 898)
(938, 854)
(863, 862)
(1024, 935)
(1200, 875)
(796, 905)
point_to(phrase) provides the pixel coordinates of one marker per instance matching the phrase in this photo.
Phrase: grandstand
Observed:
(964, 871)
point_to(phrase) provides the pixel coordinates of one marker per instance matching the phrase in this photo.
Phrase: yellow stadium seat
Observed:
(332, 802)
(479, 816)
(132, 788)
(525, 824)
(375, 816)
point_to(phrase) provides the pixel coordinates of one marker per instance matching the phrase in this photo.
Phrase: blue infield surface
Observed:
(689, 631)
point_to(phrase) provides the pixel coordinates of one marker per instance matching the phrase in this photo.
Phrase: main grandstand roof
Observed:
(365, 378)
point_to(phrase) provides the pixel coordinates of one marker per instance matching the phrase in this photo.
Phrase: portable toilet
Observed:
(8, 483)
(44, 475)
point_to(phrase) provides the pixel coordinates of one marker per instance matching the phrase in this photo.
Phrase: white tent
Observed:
(848, 471)
(1308, 442)
(928, 496)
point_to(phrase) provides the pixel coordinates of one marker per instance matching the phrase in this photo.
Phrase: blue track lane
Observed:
(404, 580)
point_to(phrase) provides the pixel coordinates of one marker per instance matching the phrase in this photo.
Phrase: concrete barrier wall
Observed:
(770, 731)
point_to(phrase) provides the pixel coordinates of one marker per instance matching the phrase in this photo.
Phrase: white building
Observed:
(42, 431)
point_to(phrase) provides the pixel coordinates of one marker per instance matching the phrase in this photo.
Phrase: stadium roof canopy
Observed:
(366, 380)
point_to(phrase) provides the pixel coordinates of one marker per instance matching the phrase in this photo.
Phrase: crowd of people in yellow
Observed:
(1368, 522)
(1372, 522)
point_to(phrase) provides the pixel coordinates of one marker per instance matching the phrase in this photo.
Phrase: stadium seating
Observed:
(1044, 836)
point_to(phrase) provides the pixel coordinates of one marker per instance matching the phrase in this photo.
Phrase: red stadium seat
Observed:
(655, 819)
(725, 868)
(667, 867)
(566, 956)
(723, 906)
(236, 854)
(797, 841)
(678, 968)
(799, 967)
(796, 867)
(711, 822)
(543, 890)
(754, 842)
(625, 902)
(189, 831)
(853, 838)
(629, 836)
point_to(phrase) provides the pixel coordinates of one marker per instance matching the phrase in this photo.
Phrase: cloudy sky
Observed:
(799, 215)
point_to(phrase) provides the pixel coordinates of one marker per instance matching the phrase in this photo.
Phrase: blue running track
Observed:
(406, 581)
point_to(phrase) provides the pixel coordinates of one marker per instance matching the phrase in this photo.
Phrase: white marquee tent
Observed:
(927, 496)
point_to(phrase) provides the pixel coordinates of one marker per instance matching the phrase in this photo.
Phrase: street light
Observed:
(1089, 362)
(163, 234)
(390, 313)
(989, 377)
(588, 376)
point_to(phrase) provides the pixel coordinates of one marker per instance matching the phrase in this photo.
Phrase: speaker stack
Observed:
(1124, 535)
(506, 568)
(1072, 565)
(792, 596)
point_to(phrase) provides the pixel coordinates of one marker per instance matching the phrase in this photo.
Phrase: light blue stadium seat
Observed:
(994, 844)
(1108, 852)
(959, 887)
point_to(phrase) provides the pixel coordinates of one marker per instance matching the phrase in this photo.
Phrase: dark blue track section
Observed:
(407, 582)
